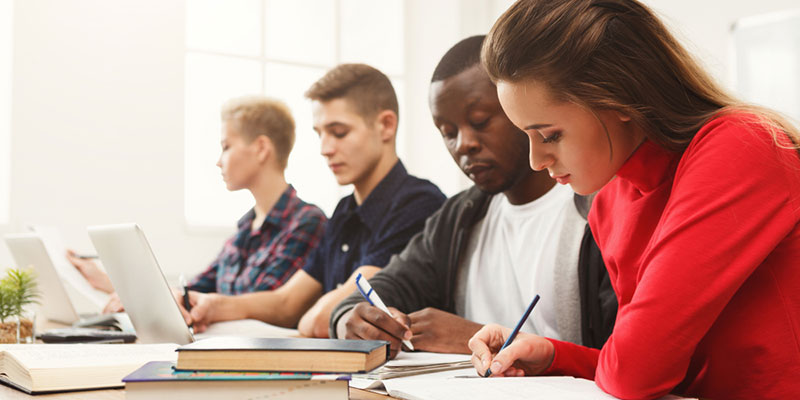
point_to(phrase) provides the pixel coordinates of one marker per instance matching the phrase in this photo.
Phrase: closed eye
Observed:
(552, 138)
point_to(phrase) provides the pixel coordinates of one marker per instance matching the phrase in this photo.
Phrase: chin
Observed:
(494, 188)
(583, 190)
(343, 180)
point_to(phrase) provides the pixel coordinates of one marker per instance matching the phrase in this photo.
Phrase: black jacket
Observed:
(424, 274)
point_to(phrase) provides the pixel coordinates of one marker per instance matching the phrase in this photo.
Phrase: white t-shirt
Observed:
(514, 254)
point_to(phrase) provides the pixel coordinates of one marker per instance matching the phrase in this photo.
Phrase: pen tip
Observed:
(488, 373)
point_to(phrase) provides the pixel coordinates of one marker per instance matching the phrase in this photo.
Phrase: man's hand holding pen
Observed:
(369, 322)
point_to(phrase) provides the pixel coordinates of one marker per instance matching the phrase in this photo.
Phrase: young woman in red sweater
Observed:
(697, 211)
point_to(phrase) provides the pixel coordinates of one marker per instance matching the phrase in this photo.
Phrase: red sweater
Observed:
(703, 251)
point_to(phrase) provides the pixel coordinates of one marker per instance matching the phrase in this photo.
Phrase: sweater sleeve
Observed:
(734, 199)
(414, 278)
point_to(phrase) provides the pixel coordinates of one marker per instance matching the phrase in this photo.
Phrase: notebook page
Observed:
(247, 328)
(527, 388)
(420, 358)
(53, 356)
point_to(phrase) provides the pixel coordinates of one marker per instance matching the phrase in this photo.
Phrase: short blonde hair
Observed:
(259, 115)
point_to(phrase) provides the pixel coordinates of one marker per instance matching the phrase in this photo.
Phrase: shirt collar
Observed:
(374, 207)
(648, 167)
(276, 215)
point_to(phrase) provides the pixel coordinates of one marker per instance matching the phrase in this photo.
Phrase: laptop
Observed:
(28, 250)
(65, 299)
(140, 283)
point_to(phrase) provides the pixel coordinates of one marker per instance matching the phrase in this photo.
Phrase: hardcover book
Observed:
(160, 380)
(283, 355)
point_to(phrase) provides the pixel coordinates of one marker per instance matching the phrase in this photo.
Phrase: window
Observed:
(767, 51)
(276, 48)
(6, 32)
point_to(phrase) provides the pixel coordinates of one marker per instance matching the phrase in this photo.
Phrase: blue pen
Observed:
(366, 290)
(516, 330)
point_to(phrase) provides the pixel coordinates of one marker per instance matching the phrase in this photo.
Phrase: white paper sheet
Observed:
(85, 298)
(527, 388)
(247, 328)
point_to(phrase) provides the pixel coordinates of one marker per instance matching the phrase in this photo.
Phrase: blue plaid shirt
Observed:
(265, 259)
(370, 233)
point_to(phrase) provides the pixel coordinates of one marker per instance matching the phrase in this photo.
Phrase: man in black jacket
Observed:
(485, 251)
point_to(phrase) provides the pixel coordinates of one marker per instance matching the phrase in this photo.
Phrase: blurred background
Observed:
(109, 109)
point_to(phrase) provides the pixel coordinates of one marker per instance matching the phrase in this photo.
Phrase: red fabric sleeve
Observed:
(733, 200)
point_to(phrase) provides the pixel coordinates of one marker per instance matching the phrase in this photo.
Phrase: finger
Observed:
(384, 322)
(194, 297)
(198, 313)
(363, 329)
(74, 260)
(401, 317)
(479, 344)
(358, 328)
(477, 362)
(502, 361)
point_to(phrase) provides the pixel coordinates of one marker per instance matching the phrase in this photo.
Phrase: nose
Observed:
(467, 142)
(326, 145)
(219, 161)
(540, 157)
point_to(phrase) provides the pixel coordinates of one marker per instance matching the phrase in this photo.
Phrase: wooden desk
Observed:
(7, 393)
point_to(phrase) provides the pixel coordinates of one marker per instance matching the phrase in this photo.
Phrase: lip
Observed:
(562, 179)
(335, 166)
(477, 172)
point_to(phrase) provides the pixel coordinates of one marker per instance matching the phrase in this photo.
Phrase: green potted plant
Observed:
(17, 291)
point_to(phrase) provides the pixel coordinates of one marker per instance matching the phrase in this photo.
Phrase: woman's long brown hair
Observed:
(616, 55)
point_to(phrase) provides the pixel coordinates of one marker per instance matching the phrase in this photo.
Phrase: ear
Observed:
(623, 117)
(386, 122)
(264, 148)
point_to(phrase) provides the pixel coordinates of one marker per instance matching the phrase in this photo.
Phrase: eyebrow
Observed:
(537, 126)
(334, 124)
(473, 103)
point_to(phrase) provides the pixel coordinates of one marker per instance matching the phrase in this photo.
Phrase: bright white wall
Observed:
(705, 26)
(6, 43)
(97, 120)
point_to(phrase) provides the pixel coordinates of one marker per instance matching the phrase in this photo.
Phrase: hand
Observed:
(441, 332)
(527, 355)
(91, 272)
(114, 304)
(368, 322)
(208, 308)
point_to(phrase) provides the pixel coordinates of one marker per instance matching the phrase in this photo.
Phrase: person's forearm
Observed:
(272, 307)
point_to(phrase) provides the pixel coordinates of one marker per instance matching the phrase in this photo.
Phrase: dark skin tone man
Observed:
(493, 153)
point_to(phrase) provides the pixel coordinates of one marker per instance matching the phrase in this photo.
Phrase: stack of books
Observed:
(244, 368)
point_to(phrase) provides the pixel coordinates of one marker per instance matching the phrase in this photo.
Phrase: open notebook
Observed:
(412, 366)
(474, 387)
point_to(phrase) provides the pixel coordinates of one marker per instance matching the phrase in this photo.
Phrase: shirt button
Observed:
(345, 247)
